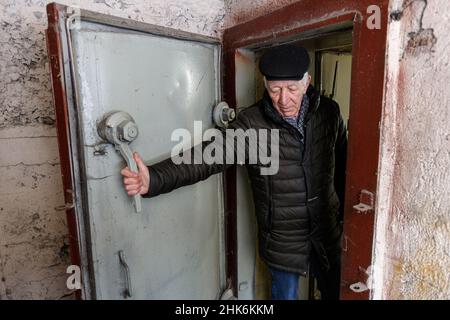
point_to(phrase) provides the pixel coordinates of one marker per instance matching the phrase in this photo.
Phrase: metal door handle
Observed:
(120, 129)
(127, 292)
(223, 114)
(126, 152)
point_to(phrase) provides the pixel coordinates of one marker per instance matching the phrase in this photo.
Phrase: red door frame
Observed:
(56, 64)
(368, 56)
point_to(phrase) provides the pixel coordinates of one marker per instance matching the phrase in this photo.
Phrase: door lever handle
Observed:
(126, 152)
(120, 129)
(127, 293)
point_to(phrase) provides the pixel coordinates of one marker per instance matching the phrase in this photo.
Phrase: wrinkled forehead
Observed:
(283, 83)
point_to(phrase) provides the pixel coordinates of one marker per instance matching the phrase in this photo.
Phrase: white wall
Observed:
(412, 249)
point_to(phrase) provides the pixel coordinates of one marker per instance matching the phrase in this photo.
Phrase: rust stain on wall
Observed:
(421, 39)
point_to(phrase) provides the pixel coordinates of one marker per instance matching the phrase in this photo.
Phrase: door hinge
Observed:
(127, 292)
(361, 286)
(366, 201)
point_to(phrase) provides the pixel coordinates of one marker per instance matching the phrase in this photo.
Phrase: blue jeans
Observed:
(284, 284)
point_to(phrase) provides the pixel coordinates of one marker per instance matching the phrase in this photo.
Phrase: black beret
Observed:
(285, 62)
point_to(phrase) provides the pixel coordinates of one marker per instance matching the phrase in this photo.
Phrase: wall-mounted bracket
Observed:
(366, 201)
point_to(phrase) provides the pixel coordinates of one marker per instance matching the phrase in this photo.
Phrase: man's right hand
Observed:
(136, 182)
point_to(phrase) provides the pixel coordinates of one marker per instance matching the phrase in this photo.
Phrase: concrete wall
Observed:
(33, 233)
(238, 11)
(412, 248)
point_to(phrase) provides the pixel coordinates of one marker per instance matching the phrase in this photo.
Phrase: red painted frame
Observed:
(54, 49)
(365, 113)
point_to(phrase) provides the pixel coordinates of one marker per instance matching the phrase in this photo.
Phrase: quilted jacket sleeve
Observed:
(167, 175)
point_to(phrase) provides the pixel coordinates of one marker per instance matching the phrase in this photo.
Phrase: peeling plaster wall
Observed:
(25, 93)
(33, 233)
(238, 11)
(412, 248)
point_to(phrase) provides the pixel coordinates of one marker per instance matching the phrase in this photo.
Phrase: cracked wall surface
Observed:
(25, 93)
(412, 248)
(241, 11)
(33, 232)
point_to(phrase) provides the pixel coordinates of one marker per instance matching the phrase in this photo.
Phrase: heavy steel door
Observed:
(174, 248)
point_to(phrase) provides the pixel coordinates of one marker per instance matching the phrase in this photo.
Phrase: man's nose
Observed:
(283, 96)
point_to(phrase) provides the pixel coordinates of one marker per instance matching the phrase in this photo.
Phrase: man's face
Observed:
(287, 95)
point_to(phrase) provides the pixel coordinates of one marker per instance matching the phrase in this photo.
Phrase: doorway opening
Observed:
(330, 69)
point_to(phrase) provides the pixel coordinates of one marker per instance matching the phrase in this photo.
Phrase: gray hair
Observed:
(304, 79)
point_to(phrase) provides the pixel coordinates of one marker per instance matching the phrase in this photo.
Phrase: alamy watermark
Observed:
(374, 18)
(74, 280)
(228, 147)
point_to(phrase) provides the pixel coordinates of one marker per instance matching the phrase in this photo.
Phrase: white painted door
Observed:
(173, 248)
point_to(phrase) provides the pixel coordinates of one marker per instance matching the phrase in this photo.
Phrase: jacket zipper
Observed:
(305, 129)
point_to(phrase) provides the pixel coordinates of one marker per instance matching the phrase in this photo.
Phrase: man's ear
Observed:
(308, 82)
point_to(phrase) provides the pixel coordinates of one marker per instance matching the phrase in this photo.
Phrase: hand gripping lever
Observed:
(120, 129)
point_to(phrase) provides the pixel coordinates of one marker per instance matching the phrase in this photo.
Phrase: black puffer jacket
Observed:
(297, 208)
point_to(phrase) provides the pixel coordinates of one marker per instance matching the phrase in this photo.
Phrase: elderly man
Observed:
(299, 208)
